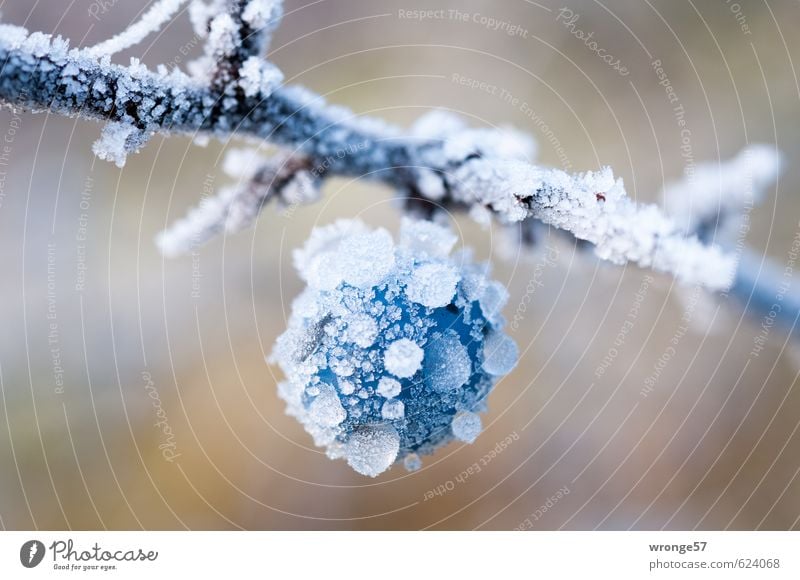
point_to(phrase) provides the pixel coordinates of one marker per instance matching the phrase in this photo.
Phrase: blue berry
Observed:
(392, 349)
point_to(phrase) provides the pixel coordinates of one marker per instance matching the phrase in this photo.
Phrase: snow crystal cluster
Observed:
(392, 348)
(593, 206)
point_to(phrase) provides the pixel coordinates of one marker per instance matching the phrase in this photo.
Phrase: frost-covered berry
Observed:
(392, 348)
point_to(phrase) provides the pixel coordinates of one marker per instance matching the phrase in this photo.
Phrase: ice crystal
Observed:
(117, 140)
(388, 387)
(403, 357)
(259, 77)
(466, 426)
(372, 449)
(401, 366)
(263, 15)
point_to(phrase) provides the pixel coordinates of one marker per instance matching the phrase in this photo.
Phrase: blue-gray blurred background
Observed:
(135, 393)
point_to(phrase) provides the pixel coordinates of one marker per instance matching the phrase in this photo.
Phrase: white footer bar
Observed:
(333, 555)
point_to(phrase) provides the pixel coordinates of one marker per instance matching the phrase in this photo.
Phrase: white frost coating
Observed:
(201, 223)
(346, 387)
(263, 14)
(492, 299)
(426, 237)
(447, 365)
(325, 409)
(152, 20)
(301, 189)
(259, 77)
(393, 409)
(466, 426)
(321, 243)
(432, 285)
(372, 449)
(322, 434)
(388, 387)
(403, 358)
(437, 124)
(716, 189)
(480, 215)
(361, 330)
(363, 258)
(500, 354)
(242, 162)
(430, 184)
(367, 258)
(620, 230)
(497, 143)
(223, 36)
(116, 141)
(201, 13)
(13, 36)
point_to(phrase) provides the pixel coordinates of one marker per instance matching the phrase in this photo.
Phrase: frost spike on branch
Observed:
(284, 177)
(712, 193)
(41, 73)
(159, 14)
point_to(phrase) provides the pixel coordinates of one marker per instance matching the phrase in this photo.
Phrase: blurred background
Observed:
(135, 392)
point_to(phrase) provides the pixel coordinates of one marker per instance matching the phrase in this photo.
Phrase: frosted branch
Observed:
(440, 163)
(592, 206)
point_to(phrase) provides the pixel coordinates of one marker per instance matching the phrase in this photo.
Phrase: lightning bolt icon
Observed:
(34, 550)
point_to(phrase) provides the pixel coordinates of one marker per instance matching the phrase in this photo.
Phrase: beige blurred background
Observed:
(103, 339)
